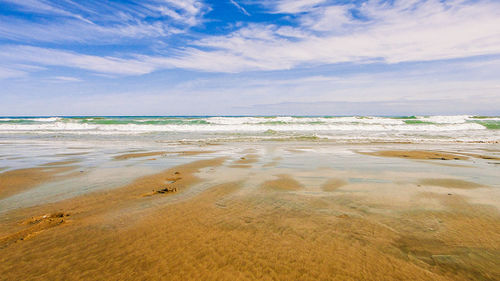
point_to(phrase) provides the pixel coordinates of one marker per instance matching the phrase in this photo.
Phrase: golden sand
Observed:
(481, 156)
(16, 181)
(193, 152)
(333, 184)
(417, 154)
(155, 153)
(90, 204)
(451, 183)
(138, 155)
(283, 183)
(34, 226)
(222, 234)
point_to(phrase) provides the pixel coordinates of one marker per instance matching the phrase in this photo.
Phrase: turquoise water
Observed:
(489, 122)
(459, 128)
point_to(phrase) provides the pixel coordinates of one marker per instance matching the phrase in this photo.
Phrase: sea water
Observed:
(344, 129)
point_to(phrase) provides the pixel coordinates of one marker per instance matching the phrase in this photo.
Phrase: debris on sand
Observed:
(167, 189)
(48, 217)
(35, 225)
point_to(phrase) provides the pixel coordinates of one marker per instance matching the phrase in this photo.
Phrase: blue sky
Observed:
(238, 57)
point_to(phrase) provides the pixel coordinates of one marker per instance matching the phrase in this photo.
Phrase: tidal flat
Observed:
(251, 211)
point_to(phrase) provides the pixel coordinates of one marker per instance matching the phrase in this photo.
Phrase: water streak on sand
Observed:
(417, 154)
(16, 181)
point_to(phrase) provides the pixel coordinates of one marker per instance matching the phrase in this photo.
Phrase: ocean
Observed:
(342, 129)
(345, 129)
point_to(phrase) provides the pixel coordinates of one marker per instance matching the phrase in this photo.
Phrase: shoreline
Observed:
(340, 129)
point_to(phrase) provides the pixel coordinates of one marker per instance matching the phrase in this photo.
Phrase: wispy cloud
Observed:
(319, 33)
(100, 21)
(243, 10)
(64, 31)
(45, 7)
(292, 6)
(11, 73)
(53, 57)
(391, 32)
(188, 12)
(66, 79)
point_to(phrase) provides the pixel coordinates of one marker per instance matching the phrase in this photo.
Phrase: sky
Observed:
(249, 57)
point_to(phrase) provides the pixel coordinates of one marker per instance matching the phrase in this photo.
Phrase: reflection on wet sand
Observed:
(159, 153)
(16, 181)
(271, 223)
(417, 154)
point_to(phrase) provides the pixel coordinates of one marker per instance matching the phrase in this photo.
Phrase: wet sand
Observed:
(156, 153)
(333, 184)
(417, 154)
(104, 202)
(273, 223)
(245, 161)
(451, 183)
(138, 155)
(282, 183)
(482, 156)
(16, 181)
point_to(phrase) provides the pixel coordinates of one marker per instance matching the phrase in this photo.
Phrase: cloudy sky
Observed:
(239, 57)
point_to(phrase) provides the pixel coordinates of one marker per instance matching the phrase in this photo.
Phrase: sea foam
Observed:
(356, 128)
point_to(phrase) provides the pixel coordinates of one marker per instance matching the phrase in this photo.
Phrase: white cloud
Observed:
(391, 32)
(65, 31)
(66, 79)
(408, 30)
(101, 21)
(10, 73)
(243, 10)
(292, 6)
(187, 12)
(327, 18)
(44, 7)
(52, 57)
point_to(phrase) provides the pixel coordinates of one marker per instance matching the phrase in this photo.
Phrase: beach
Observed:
(89, 205)
(250, 140)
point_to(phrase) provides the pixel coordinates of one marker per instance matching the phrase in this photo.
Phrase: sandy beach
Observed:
(287, 140)
(256, 211)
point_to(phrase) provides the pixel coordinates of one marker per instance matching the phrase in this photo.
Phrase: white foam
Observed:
(41, 119)
(445, 119)
(65, 126)
(442, 128)
(301, 120)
